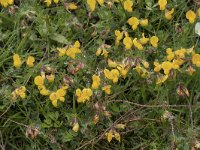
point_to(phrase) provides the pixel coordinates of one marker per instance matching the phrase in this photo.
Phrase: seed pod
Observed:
(182, 91)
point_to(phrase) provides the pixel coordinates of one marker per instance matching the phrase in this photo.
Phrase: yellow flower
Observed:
(92, 4)
(161, 79)
(196, 59)
(143, 40)
(127, 41)
(154, 41)
(168, 14)
(109, 136)
(106, 89)
(39, 80)
(162, 4)
(123, 70)
(191, 16)
(158, 67)
(96, 82)
(128, 4)
(105, 53)
(71, 52)
(58, 95)
(170, 54)
(145, 64)
(83, 95)
(119, 36)
(144, 22)
(50, 77)
(98, 52)
(134, 22)
(30, 61)
(175, 64)
(72, 6)
(48, 2)
(17, 61)
(43, 90)
(166, 66)
(120, 126)
(112, 75)
(62, 51)
(5, 3)
(117, 136)
(21, 92)
(75, 127)
(111, 63)
(180, 53)
(56, 1)
(137, 44)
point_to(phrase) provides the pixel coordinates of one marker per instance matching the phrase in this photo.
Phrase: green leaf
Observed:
(59, 38)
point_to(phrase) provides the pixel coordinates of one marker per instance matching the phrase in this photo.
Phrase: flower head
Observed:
(30, 61)
(143, 40)
(154, 41)
(106, 89)
(39, 80)
(112, 75)
(5, 3)
(71, 52)
(58, 95)
(127, 41)
(17, 61)
(191, 16)
(137, 44)
(21, 92)
(84, 95)
(162, 4)
(168, 14)
(128, 4)
(144, 22)
(134, 22)
(91, 4)
(96, 82)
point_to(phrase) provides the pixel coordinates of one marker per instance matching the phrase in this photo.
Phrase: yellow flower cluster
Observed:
(175, 59)
(19, 92)
(96, 82)
(113, 134)
(5, 3)
(134, 22)
(92, 4)
(58, 95)
(162, 4)
(168, 13)
(139, 43)
(112, 75)
(84, 95)
(71, 6)
(106, 89)
(17, 62)
(128, 5)
(70, 52)
(39, 81)
(53, 96)
(102, 52)
(191, 16)
(49, 2)
(196, 59)
(119, 36)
